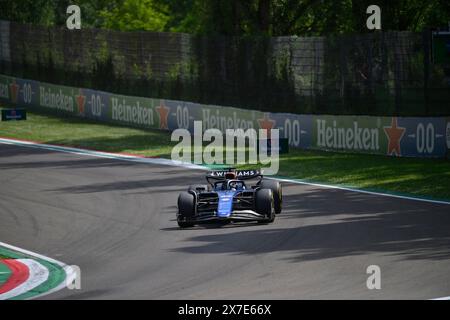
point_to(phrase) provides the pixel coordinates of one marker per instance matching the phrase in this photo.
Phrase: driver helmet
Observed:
(230, 175)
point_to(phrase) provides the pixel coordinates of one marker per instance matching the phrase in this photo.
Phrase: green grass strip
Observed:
(420, 177)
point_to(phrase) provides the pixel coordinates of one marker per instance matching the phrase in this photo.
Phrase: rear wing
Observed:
(240, 174)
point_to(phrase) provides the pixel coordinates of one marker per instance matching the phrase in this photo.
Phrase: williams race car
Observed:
(228, 198)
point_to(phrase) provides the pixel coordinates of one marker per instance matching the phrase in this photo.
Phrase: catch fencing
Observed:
(382, 73)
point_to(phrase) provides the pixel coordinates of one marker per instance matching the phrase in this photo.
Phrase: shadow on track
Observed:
(352, 227)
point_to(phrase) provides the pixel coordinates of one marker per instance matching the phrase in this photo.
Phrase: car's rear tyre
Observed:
(198, 187)
(186, 209)
(184, 224)
(264, 204)
(277, 191)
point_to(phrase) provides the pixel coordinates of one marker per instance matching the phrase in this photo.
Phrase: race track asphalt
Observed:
(115, 220)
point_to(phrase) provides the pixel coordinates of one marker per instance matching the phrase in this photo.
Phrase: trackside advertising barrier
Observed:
(394, 136)
(447, 134)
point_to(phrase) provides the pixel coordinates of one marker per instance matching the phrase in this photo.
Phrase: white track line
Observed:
(443, 298)
(160, 161)
(360, 191)
(102, 154)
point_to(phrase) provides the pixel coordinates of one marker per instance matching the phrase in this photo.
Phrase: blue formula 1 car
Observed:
(228, 198)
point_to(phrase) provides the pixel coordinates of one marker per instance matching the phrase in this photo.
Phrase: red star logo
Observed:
(394, 135)
(81, 101)
(14, 87)
(266, 123)
(163, 112)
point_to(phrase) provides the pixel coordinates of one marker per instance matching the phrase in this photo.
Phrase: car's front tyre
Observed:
(277, 191)
(186, 209)
(264, 204)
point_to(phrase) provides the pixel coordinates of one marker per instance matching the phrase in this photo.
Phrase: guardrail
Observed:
(395, 136)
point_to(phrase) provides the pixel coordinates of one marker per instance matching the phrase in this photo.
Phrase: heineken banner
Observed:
(93, 104)
(5, 88)
(395, 136)
(132, 111)
(298, 129)
(60, 99)
(447, 134)
(27, 92)
(411, 137)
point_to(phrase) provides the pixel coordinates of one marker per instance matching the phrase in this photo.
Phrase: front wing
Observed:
(236, 215)
(242, 208)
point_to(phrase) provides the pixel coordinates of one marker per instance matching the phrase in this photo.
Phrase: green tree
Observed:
(131, 15)
(301, 17)
(90, 11)
(39, 12)
(234, 17)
